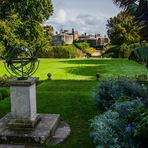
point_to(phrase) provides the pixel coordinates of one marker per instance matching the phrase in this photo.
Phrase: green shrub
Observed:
(109, 131)
(124, 51)
(82, 46)
(139, 117)
(126, 108)
(57, 52)
(112, 89)
(112, 52)
(46, 53)
(60, 52)
(4, 93)
(135, 45)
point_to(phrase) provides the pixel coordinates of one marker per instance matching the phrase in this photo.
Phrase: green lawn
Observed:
(73, 99)
(85, 68)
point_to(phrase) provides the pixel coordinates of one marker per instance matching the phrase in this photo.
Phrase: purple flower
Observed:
(131, 128)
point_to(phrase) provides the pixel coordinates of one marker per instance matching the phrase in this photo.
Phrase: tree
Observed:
(123, 29)
(48, 30)
(138, 8)
(32, 10)
(21, 22)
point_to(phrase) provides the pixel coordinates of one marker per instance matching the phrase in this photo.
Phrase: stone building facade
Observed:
(95, 40)
(64, 37)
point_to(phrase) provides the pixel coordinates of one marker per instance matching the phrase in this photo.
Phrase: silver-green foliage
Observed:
(111, 90)
(126, 108)
(108, 131)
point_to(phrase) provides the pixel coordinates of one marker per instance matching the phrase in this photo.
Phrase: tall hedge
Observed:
(58, 52)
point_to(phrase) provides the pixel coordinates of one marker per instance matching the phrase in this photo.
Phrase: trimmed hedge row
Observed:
(71, 51)
(58, 52)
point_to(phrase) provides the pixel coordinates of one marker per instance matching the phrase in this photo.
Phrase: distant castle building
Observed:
(94, 40)
(66, 38)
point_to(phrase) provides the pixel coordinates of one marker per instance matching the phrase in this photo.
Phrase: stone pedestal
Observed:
(23, 98)
(23, 125)
(23, 103)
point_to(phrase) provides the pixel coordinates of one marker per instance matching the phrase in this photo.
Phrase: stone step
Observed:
(37, 136)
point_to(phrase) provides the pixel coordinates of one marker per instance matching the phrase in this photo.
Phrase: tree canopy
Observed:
(48, 30)
(38, 10)
(123, 29)
(138, 8)
(21, 22)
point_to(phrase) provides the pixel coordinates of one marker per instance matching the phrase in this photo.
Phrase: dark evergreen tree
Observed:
(122, 29)
(138, 8)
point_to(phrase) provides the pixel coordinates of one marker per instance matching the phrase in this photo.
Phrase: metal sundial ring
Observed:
(20, 62)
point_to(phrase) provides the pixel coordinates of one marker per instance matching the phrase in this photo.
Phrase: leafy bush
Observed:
(124, 51)
(112, 52)
(134, 45)
(4, 93)
(57, 52)
(82, 46)
(137, 45)
(135, 113)
(139, 117)
(108, 131)
(110, 90)
(126, 108)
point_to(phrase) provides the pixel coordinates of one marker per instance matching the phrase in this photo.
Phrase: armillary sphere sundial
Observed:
(23, 125)
(20, 62)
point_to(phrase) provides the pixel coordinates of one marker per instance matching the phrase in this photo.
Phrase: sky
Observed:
(88, 16)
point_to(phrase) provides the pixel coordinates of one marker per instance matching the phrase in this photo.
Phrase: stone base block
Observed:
(40, 135)
(23, 124)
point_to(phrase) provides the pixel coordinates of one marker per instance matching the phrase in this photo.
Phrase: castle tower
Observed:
(75, 34)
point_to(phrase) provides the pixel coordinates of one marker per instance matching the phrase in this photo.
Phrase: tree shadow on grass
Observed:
(87, 70)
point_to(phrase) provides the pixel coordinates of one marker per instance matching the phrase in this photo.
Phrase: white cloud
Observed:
(89, 17)
(83, 22)
(60, 17)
